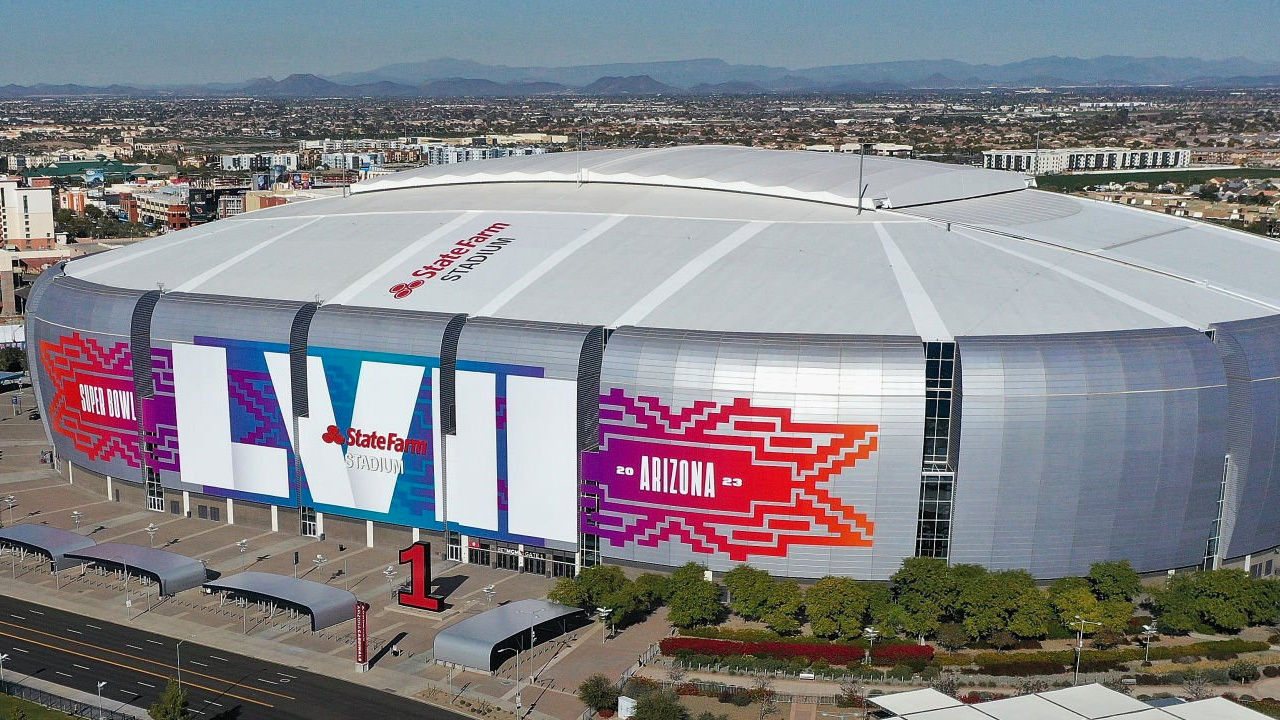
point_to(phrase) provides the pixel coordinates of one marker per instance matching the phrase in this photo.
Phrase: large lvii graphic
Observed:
(732, 478)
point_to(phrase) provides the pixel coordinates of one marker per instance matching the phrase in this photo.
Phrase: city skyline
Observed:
(154, 43)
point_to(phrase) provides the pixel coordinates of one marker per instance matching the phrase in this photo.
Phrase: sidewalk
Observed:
(76, 696)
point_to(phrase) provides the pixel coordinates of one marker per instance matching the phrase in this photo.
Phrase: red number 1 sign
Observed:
(418, 557)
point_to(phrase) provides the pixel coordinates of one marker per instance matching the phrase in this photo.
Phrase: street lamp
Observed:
(489, 592)
(75, 517)
(151, 534)
(1148, 632)
(390, 574)
(604, 619)
(178, 649)
(10, 501)
(1080, 644)
(128, 602)
(320, 560)
(517, 652)
(101, 684)
(3, 657)
(243, 545)
(870, 633)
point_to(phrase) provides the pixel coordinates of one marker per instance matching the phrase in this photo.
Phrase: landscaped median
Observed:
(809, 652)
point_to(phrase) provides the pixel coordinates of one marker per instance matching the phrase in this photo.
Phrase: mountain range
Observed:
(450, 77)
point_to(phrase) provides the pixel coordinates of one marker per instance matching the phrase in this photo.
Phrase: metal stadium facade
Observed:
(713, 354)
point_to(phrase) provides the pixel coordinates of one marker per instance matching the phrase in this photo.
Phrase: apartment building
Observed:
(26, 216)
(1055, 161)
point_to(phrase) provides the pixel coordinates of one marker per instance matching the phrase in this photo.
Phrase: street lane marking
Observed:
(215, 657)
(164, 665)
(147, 684)
(37, 612)
(20, 650)
(213, 703)
(74, 631)
(82, 667)
(95, 627)
(154, 642)
(291, 677)
(59, 672)
(269, 682)
(135, 647)
(17, 616)
(147, 672)
(197, 662)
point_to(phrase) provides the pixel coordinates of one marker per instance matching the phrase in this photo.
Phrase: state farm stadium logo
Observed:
(454, 264)
(388, 442)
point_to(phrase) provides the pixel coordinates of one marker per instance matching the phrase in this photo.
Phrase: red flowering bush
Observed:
(833, 654)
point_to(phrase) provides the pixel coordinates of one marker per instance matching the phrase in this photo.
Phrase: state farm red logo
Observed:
(355, 437)
(401, 291)
(456, 262)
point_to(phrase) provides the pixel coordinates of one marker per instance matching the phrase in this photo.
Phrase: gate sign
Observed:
(362, 634)
(418, 557)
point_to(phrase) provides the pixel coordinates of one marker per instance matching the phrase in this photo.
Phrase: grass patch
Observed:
(1072, 183)
(9, 706)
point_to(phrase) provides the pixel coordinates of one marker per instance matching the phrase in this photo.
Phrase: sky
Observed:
(146, 42)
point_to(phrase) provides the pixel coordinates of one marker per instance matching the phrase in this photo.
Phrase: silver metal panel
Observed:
(474, 642)
(174, 572)
(1251, 354)
(824, 434)
(51, 541)
(78, 341)
(327, 605)
(401, 332)
(1080, 448)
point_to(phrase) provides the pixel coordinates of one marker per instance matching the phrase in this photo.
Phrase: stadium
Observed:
(708, 354)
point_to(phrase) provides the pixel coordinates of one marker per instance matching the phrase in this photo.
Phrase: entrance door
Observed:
(155, 493)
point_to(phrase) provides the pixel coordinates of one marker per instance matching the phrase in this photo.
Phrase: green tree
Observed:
(695, 602)
(1224, 600)
(952, 636)
(567, 591)
(924, 590)
(1071, 597)
(784, 608)
(12, 359)
(836, 607)
(597, 693)
(660, 706)
(988, 603)
(172, 704)
(1114, 581)
(749, 591)
(1031, 614)
(1002, 640)
(654, 588)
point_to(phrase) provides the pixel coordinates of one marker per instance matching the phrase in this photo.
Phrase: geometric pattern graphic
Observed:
(92, 404)
(731, 478)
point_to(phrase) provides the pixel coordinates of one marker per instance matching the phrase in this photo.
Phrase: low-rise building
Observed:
(1055, 161)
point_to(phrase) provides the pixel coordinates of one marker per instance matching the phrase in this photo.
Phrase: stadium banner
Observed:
(513, 461)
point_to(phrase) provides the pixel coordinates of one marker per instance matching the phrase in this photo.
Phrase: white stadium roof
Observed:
(725, 238)
(1085, 702)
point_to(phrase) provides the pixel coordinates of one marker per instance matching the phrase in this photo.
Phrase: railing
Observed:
(56, 702)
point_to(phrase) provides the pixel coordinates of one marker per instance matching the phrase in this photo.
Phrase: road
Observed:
(78, 652)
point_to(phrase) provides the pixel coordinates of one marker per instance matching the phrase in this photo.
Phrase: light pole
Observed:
(1148, 632)
(390, 574)
(489, 592)
(243, 545)
(3, 657)
(320, 560)
(604, 619)
(517, 652)
(178, 650)
(870, 633)
(101, 684)
(10, 501)
(151, 534)
(128, 602)
(75, 517)
(1080, 644)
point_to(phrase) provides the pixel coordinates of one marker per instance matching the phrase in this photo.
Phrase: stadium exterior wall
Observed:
(801, 454)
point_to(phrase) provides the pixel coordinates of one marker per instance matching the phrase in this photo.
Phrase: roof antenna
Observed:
(578, 157)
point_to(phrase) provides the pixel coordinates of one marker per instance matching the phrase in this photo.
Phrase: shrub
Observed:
(598, 693)
(1271, 671)
(685, 689)
(1022, 668)
(806, 653)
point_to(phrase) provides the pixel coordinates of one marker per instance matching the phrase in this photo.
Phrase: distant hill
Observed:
(632, 85)
(450, 77)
